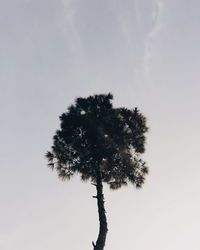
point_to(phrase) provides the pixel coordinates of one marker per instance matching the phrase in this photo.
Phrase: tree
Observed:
(102, 144)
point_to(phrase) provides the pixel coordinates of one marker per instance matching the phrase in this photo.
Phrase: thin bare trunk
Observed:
(103, 229)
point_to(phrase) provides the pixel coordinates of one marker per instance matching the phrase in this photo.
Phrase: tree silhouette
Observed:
(102, 144)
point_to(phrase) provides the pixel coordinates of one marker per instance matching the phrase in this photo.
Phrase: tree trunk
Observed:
(100, 243)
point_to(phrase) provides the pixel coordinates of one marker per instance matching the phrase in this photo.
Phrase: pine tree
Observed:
(103, 144)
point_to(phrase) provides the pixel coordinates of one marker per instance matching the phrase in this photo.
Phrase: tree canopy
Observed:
(93, 134)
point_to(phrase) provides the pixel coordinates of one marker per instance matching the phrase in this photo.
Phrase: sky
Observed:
(145, 52)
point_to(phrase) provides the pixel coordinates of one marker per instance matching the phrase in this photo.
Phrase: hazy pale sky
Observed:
(146, 52)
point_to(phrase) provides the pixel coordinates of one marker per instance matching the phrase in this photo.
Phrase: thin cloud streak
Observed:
(140, 30)
(69, 28)
(157, 26)
(74, 41)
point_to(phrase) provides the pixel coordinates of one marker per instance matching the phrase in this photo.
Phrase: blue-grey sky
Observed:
(146, 52)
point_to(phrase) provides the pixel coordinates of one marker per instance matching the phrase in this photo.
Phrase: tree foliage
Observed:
(93, 134)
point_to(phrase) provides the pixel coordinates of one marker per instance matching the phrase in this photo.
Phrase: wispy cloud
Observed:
(136, 23)
(69, 28)
(140, 23)
(76, 51)
(157, 15)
